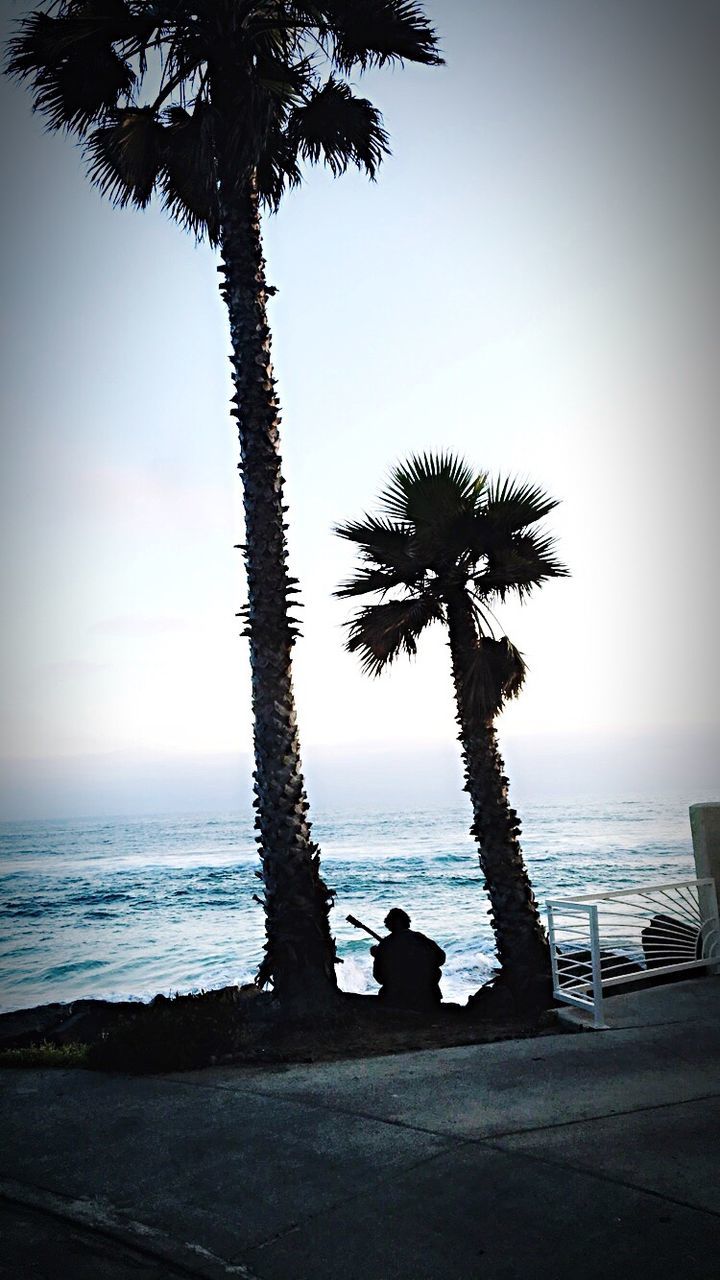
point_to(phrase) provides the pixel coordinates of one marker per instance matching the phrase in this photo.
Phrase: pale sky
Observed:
(533, 282)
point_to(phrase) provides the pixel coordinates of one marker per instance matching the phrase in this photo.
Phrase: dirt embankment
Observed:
(246, 1026)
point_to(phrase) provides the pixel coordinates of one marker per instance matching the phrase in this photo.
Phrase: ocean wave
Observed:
(139, 906)
(54, 972)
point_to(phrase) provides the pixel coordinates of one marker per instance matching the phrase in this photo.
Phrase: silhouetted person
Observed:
(407, 965)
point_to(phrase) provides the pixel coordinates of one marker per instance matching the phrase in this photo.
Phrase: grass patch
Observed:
(45, 1055)
(171, 1035)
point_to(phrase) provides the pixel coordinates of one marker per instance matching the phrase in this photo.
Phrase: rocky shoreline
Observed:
(243, 1025)
(78, 1021)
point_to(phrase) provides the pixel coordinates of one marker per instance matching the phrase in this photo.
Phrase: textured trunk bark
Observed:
(520, 938)
(300, 952)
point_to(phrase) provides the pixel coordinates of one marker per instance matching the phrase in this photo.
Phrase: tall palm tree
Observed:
(446, 545)
(214, 106)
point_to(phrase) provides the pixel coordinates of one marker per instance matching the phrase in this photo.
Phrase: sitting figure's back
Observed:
(407, 965)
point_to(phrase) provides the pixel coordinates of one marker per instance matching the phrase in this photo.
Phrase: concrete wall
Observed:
(705, 827)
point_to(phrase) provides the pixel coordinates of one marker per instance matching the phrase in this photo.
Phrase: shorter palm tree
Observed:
(447, 545)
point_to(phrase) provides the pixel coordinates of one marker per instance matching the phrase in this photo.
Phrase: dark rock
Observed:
(668, 940)
(504, 1000)
(490, 1002)
(81, 1021)
(86, 1021)
(578, 964)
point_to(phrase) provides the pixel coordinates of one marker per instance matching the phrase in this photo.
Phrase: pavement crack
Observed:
(601, 1176)
(605, 1115)
(445, 1134)
(333, 1108)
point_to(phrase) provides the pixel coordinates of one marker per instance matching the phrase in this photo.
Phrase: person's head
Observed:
(397, 919)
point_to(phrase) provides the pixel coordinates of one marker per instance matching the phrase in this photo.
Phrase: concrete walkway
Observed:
(594, 1156)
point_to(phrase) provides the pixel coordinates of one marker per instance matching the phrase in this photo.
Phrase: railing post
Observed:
(553, 951)
(598, 1016)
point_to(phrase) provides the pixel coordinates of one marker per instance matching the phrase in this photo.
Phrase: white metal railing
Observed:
(603, 940)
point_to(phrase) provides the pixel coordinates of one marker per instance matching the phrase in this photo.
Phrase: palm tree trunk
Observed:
(300, 951)
(519, 935)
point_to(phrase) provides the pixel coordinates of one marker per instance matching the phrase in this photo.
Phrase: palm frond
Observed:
(494, 674)
(380, 632)
(284, 77)
(380, 31)
(188, 178)
(76, 78)
(431, 488)
(112, 21)
(124, 156)
(367, 581)
(277, 169)
(105, 66)
(513, 504)
(283, 84)
(524, 562)
(385, 543)
(44, 40)
(334, 126)
(40, 43)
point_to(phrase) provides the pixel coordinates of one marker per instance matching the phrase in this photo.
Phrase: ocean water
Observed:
(127, 908)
